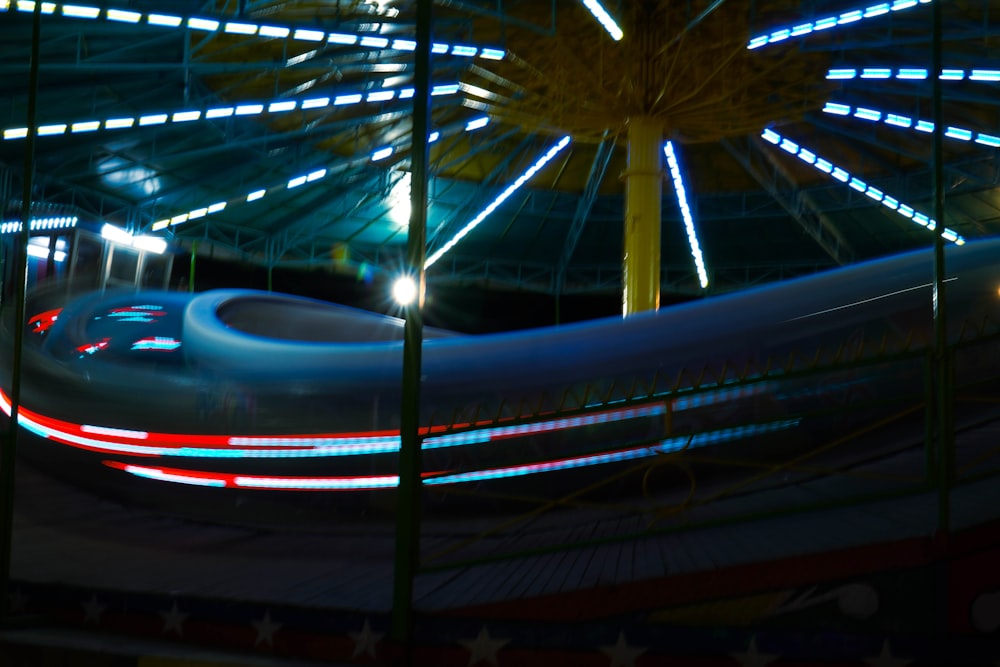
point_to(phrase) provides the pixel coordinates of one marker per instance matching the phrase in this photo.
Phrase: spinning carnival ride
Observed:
(263, 392)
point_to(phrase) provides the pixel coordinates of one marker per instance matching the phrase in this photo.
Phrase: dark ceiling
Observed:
(761, 213)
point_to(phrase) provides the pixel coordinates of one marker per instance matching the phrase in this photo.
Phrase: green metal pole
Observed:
(194, 254)
(942, 360)
(407, 555)
(7, 456)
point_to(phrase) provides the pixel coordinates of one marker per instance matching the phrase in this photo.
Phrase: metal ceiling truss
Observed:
(440, 234)
(760, 163)
(957, 170)
(602, 156)
(678, 279)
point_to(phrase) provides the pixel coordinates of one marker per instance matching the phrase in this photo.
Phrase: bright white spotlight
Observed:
(404, 290)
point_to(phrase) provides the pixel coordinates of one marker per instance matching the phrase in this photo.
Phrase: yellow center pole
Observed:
(643, 187)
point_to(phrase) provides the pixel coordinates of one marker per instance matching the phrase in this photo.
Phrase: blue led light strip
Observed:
(313, 176)
(907, 122)
(675, 176)
(248, 29)
(912, 73)
(511, 189)
(832, 21)
(222, 112)
(843, 176)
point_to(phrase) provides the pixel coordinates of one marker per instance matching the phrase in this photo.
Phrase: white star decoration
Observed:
(621, 654)
(885, 658)
(484, 648)
(92, 610)
(752, 658)
(266, 629)
(364, 641)
(173, 620)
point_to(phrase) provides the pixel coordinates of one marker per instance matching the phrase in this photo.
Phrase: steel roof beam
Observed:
(761, 164)
(479, 195)
(955, 167)
(585, 203)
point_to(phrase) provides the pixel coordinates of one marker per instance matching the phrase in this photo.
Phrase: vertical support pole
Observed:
(270, 265)
(7, 456)
(408, 503)
(942, 358)
(194, 254)
(643, 191)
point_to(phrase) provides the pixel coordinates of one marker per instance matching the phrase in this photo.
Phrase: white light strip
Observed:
(241, 28)
(898, 120)
(40, 224)
(675, 175)
(382, 153)
(249, 109)
(124, 16)
(844, 176)
(298, 181)
(832, 21)
(207, 24)
(49, 130)
(477, 123)
(80, 12)
(511, 189)
(604, 18)
(912, 73)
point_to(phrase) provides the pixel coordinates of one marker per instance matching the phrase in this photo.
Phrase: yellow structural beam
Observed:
(643, 187)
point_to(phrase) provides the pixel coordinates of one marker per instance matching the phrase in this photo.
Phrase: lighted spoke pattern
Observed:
(911, 73)
(501, 198)
(246, 109)
(304, 179)
(907, 122)
(832, 21)
(249, 29)
(825, 166)
(675, 176)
